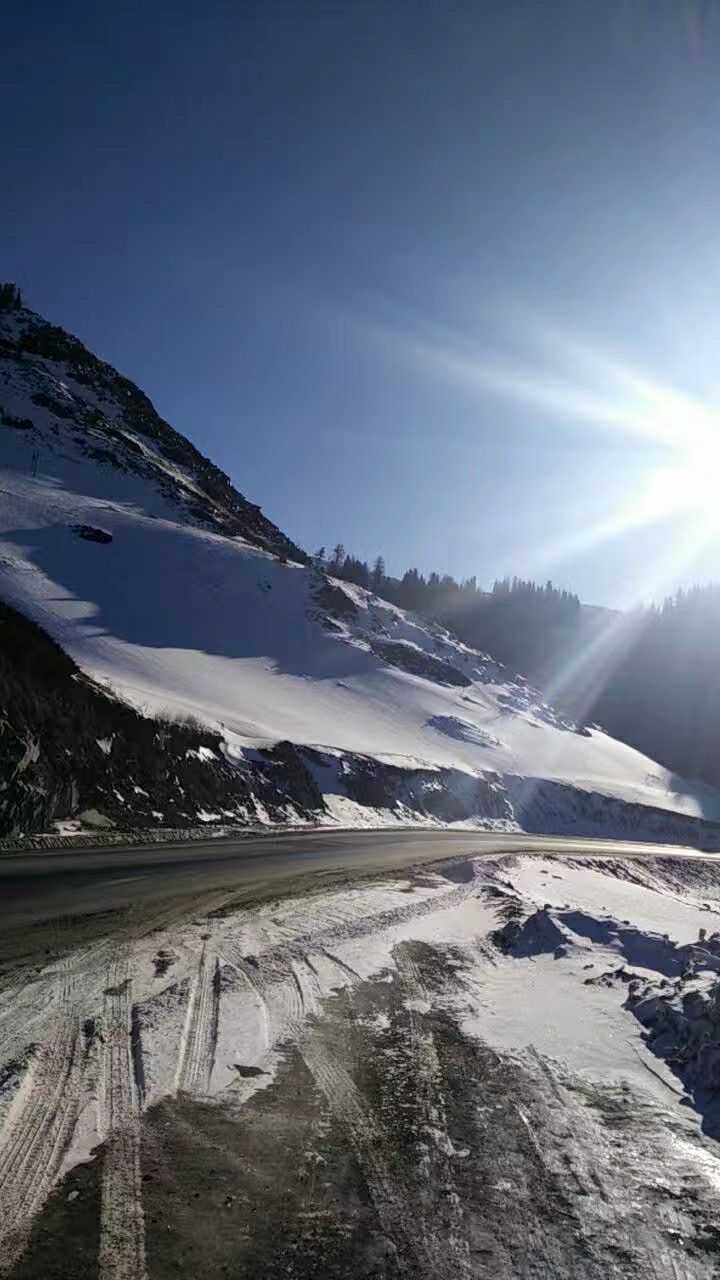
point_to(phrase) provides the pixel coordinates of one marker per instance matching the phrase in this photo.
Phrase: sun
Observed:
(689, 485)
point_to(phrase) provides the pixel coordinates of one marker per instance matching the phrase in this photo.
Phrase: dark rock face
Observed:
(66, 747)
(12, 420)
(446, 794)
(418, 663)
(91, 534)
(332, 599)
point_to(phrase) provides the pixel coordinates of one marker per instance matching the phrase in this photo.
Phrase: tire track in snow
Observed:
(137, 1056)
(319, 939)
(242, 968)
(288, 992)
(30, 1003)
(199, 1041)
(392, 1199)
(35, 1003)
(347, 969)
(122, 1225)
(277, 988)
(39, 1126)
(444, 1238)
(311, 993)
(436, 1247)
(307, 1001)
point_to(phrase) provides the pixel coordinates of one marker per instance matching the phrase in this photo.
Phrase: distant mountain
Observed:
(208, 673)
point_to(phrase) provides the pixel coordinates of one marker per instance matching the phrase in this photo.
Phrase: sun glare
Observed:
(690, 486)
(598, 391)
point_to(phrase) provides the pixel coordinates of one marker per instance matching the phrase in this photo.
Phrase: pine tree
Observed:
(10, 297)
(378, 575)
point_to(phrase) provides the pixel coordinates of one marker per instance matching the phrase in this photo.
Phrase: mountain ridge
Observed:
(115, 412)
(170, 591)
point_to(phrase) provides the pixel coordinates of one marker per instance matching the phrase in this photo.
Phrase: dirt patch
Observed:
(275, 1185)
(65, 1238)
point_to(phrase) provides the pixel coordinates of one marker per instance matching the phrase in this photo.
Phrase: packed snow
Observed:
(215, 1005)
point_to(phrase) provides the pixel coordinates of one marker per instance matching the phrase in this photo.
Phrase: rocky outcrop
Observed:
(419, 663)
(90, 533)
(683, 1027)
(447, 795)
(331, 599)
(67, 748)
(555, 808)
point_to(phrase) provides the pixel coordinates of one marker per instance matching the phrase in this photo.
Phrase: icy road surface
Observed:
(362, 1079)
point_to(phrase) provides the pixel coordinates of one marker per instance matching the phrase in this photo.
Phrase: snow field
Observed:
(181, 621)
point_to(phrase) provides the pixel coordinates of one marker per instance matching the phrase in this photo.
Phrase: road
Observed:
(42, 885)
(392, 1096)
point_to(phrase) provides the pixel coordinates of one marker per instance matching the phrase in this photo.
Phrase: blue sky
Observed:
(400, 268)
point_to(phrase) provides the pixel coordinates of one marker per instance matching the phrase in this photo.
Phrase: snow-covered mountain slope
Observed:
(60, 402)
(192, 603)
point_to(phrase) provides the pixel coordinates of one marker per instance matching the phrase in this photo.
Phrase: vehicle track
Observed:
(391, 1198)
(360, 927)
(430, 1240)
(346, 968)
(122, 1227)
(275, 963)
(39, 1126)
(309, 989)
(259, 1000)
(445, 1238)
(199, 1040)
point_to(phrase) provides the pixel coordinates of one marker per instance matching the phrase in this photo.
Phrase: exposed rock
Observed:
(649, 1009)
(418, 663)
(57, 369)
(91, 534)
(446, 794)
(333, 600)
(92, 818)
(16, 422)
(683, 1027)
(125, 769)
(543, 806)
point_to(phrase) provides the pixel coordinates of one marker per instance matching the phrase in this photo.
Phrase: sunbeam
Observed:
(581, 383)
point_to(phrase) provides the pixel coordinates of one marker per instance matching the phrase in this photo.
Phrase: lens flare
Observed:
(595, 392)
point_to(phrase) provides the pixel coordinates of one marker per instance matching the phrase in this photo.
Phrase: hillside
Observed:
(172, 591)
(649, 674)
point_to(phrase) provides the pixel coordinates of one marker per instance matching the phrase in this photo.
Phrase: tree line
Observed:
(662, 694)
(651, 677)
(518, 621)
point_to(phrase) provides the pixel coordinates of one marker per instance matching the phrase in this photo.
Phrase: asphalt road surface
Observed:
(42, 885)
